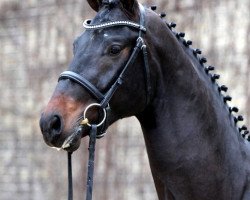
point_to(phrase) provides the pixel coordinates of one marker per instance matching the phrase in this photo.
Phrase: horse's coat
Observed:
(194, 147)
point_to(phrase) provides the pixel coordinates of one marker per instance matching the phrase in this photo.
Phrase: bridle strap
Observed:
(70, 182)
(140, 45)
(119, 80)
(105, 99)
(90, 176)
(147, 73)
(87, 25)
(142, 20)
(145, 56)
(91, 162)
(83, 82)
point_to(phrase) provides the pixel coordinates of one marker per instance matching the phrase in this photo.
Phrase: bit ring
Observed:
(98, 106)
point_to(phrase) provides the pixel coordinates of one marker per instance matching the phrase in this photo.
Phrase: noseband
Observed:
(104, 99)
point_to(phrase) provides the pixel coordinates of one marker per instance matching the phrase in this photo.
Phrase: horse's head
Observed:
(101, 55)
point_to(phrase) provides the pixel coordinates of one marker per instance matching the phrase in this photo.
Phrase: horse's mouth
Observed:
(72, 146)
(71, 142)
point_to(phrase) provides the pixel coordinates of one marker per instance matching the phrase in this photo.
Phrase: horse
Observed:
(131, 62)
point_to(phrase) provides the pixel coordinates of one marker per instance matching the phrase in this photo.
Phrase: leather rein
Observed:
(104, 99)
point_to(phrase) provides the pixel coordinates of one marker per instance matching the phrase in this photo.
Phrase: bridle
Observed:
(104, 99)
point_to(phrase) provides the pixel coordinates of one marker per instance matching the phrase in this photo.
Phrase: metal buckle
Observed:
(95, 105)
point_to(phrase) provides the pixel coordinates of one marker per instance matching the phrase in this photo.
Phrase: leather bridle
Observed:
(104, 99)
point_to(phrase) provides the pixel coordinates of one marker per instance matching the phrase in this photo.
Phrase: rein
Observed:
(91, 163)
(104, 99)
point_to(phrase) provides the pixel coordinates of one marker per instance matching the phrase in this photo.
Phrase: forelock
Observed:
(110, 2)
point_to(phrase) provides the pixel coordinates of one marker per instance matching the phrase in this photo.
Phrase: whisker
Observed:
(76, 123)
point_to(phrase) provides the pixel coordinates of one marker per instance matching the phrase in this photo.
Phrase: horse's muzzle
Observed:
(51, 128)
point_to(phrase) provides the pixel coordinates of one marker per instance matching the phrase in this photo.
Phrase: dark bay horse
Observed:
(195, 148)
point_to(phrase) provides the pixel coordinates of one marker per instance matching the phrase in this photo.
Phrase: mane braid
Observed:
(213, 77)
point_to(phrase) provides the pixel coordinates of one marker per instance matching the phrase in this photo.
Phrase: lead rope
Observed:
(90, 180)
(70, 184)
(90, 177)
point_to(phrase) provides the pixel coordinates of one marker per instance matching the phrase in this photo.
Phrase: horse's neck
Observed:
(188, 127)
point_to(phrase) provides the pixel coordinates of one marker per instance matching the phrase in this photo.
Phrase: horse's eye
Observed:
(115, 50)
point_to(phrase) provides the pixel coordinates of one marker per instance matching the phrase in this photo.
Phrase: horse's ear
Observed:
(95, 4)
(129, 5)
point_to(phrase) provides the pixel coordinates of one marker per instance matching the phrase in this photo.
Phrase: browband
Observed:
(141, 27)
(87, 25)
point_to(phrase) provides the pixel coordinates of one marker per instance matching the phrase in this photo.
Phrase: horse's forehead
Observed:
(91, 36)
(107, 13)
(110, 2)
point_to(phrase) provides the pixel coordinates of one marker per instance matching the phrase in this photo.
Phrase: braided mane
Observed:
(222, 89)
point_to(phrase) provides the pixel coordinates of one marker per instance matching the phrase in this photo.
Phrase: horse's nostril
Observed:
(51, 126)
(55, 124)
